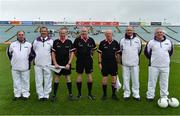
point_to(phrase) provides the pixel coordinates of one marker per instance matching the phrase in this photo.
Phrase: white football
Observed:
(163, 102)
(173, 102)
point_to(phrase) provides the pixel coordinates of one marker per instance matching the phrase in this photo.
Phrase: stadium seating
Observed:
(7, 32)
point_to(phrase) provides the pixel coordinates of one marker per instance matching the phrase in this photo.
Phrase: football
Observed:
(173, 102)
(163, 102)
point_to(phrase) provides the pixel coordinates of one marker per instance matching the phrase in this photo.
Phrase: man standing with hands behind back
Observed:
(130, 49)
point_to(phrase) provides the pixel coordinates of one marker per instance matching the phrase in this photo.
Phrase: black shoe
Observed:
(126, 98)
(91, 97)
(25, 98)
(16, 98)
(137, 99)
(149, 99)
(79, 97)
(53, 98)
(114, 97)
(41, 99)
(104, 97)
(70, 97)
(45, 99)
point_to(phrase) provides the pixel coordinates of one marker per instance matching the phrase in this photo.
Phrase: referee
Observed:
(108, 50)
(83, 48)
(62, 56)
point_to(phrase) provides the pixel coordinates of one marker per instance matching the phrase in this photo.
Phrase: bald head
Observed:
(84, 29)
(84, 32)
(108, 34)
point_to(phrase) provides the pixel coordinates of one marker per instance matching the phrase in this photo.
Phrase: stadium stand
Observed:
(8, 32)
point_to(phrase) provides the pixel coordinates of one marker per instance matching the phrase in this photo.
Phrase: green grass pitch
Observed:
(84, 106)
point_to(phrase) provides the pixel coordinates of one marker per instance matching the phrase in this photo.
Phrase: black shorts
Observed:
(86, 65)
(109, 68)
(64, 72)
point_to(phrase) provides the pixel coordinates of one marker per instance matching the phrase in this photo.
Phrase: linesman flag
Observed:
(118, 84)
(57, 70)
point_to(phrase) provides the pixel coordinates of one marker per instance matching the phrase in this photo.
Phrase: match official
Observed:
(62, 55)
(107, 55)
(158, 51)
(42, 46)
(83, 48)
(130, 49)
(20, 53)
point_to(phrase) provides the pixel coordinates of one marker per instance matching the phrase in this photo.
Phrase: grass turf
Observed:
(84, 106)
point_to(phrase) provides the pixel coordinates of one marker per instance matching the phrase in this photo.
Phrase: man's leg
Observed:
(25, 84)
(69, 85)
(79, 84)
(135, 81)
(39, 81)
(47, 83)
(79, 70)
(164, 81)
(126, 79)
(89, 84)
(16, 84)
(152, 79)
(56, 84)
(104, 87)
(113, 88)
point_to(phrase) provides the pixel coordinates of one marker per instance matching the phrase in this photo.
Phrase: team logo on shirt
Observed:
(49, 43)
(67, 46)
(104, 46)
(80, 45)
(114, 48)
(90, 45)
(136, 42)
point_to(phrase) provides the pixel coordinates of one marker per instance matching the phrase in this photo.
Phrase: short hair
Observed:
(130, 27)
(20, 31)
(159, 29)
(43, 28)
(63, 29)
(84, 28)
(108, 30)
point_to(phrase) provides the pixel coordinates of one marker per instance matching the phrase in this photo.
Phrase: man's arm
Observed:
(54, 59)
(9, 52)
(71, 55)
(100, 60)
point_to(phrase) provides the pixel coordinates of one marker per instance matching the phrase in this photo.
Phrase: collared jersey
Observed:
(62, 50)
(130, 50)
(159, 52)
(108, 50)
(42, 50)
(84, 49)
(19, 54)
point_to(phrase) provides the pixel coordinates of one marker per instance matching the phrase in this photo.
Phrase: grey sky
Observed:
(103, 10)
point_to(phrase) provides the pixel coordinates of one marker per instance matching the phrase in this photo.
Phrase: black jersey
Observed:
(62, 51)
(83, 48)
(108, 50)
